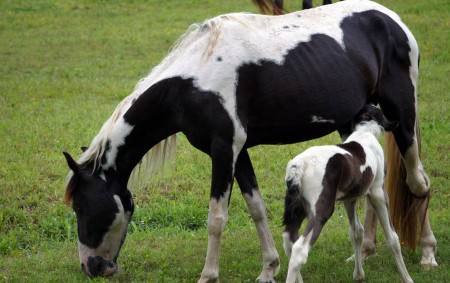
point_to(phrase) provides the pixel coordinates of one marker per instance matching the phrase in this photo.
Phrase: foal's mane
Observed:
(370, 126)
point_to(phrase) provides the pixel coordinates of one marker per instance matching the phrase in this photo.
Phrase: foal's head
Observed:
(370, 113)
(103, 207)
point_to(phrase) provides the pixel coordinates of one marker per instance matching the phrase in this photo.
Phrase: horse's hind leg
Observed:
(407, 140)
(379, 202)
(356, 236)
(427, 241)
(407, 184)
(246, 179)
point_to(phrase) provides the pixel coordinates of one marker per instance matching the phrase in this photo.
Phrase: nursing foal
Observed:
(321, 175)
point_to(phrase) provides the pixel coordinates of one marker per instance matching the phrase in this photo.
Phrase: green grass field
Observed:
(65, 65)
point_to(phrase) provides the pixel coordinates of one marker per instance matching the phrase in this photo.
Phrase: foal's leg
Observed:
(379, 202)
(301, 247)
(246, 179)
(370, 232)
(356, 236)
(222, 178)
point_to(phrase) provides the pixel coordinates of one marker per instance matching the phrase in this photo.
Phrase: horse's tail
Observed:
(270, 6)
(153, 160)
(403, 206)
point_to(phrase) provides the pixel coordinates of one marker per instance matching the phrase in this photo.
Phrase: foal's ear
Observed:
(390, 126)
(73, 165)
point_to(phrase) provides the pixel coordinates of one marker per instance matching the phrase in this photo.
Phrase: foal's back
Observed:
(347, 169)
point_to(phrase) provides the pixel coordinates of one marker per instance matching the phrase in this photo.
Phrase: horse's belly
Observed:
(317, 90)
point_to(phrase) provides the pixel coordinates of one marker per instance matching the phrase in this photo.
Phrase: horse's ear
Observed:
(73, 165)
(84, 148)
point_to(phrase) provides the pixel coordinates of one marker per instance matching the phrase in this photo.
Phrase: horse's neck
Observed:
(148, 121)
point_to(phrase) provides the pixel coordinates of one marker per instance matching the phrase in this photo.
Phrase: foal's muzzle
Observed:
(97, 266)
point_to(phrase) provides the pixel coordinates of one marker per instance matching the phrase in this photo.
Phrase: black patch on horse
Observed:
(372, 33)
(310, 72)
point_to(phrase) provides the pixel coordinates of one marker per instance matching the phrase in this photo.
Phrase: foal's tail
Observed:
(293, 206)
(270, 6)
(403, 206)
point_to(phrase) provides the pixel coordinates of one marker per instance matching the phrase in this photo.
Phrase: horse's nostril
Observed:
(83, 268)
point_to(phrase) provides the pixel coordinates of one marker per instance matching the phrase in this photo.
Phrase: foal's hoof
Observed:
(264, 280)
(364, 256)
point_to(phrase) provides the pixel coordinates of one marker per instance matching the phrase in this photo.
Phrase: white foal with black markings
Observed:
(324, 174)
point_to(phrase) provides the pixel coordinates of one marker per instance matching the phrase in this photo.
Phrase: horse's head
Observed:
(371, 113)
(103, 206)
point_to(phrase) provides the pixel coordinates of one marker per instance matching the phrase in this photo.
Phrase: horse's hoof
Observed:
(429, 265)
(208, 280)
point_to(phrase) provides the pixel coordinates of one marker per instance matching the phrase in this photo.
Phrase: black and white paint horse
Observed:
(276, 7)
(237, 81)
(321, 175)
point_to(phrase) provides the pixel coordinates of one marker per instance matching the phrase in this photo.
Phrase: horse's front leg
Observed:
(246, 179)
(222, 180)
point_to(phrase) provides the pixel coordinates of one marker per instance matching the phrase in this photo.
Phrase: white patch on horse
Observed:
(318, 119)
(253, 39)
(110, 243)
(117, 138)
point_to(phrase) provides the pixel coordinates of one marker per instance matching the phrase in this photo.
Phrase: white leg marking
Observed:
(368, 247)
(287, 244)
(427, 241)
(378, 201)
(271, 262)
(416, 178)
(217, 218)
(299, 255)
(356, 232)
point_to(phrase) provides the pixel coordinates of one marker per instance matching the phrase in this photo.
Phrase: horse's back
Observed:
(294, 77)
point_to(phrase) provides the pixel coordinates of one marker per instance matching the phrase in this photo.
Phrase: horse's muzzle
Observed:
(97, 266)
